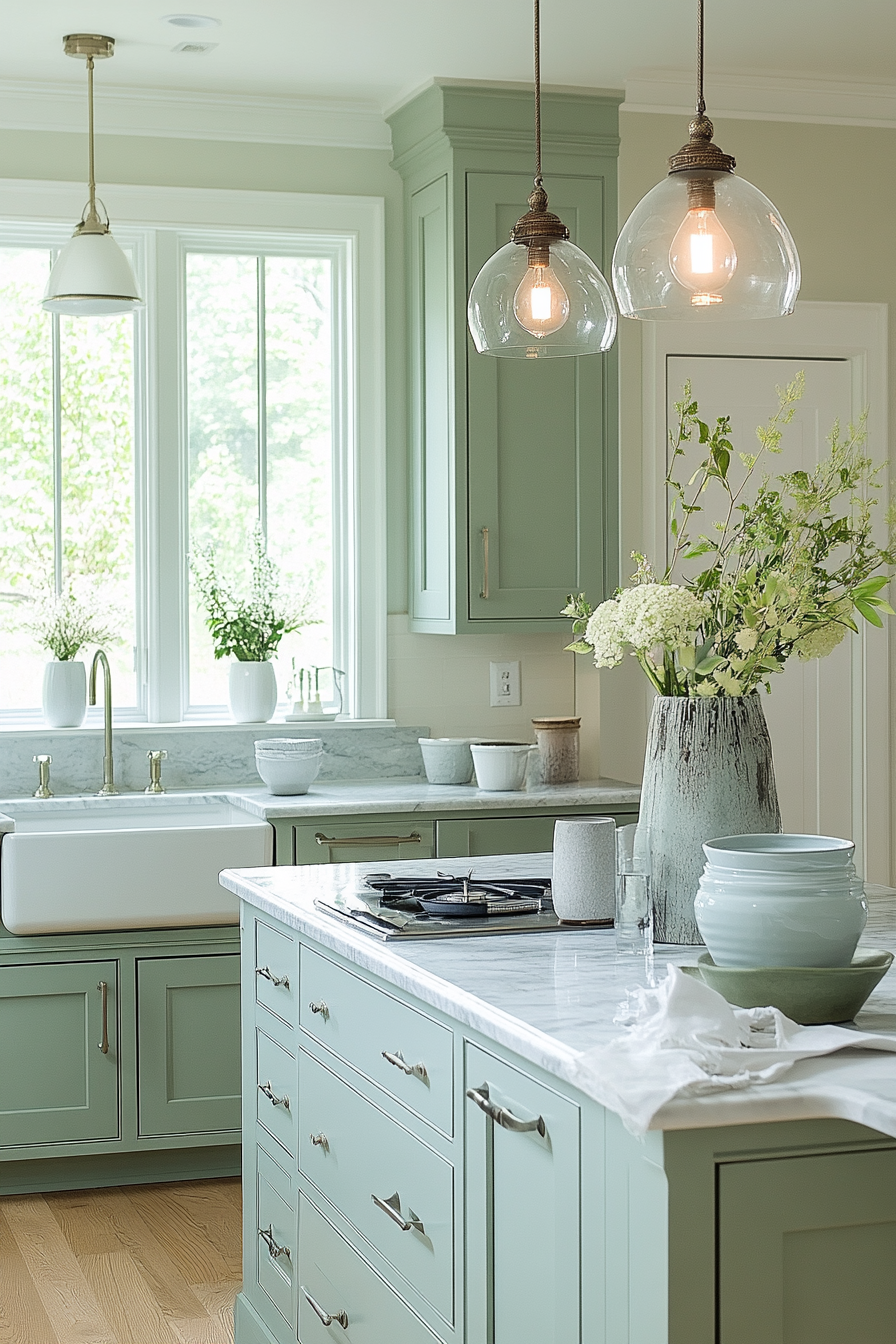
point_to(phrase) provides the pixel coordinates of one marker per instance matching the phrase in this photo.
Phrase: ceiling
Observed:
(379, 52)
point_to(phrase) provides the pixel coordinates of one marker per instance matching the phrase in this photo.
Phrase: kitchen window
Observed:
(249, 389)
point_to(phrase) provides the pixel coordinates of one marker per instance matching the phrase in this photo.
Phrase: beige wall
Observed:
(835, 188)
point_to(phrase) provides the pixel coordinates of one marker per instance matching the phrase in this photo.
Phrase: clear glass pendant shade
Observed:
(92, 276)
(731, 261)
(536, 312)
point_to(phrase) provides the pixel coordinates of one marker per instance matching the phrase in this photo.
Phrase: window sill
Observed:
(140, 726)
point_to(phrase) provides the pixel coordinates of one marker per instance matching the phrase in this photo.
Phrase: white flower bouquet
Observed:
(788, 569)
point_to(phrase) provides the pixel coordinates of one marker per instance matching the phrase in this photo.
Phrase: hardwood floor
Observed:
(136, 1264)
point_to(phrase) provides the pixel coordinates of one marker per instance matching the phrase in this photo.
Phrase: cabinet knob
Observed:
(339, 1318)
(501, 1116)
(412, 1070)
(320, 1141)
(320, 1007)
(272, 1096)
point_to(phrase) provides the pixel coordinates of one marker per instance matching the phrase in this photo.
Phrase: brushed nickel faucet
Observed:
(108, 768)
(155, 759)
(43, 764)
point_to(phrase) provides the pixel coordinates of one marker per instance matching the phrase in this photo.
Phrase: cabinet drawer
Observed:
(363, 1025)
(364, 841)
(343, 1286)
(275, 1252)
(276, 972)
(275, 1095)
(361, 1156)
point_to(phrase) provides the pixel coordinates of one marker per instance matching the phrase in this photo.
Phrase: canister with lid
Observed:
(558, 746)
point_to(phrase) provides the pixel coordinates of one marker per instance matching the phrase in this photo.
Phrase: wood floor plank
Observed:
(163, 1274)
(126, 1300)
(183, 1230)
(214, 1330)
(232, 1188)
(22, 1314)
(83, 1221)
(218, 1297)
(67, 1298)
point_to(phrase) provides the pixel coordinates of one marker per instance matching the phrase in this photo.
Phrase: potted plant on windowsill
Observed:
(248, 629)
(64, 623)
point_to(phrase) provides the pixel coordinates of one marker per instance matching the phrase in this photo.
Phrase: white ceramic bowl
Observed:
(779, 853)
(500, 766)
(288, 746)
(447, 760)
(288, 777)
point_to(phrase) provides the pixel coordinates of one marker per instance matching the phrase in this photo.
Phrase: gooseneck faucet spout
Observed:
(108, 767)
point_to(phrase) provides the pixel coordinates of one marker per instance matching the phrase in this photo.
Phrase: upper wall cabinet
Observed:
(513, 462)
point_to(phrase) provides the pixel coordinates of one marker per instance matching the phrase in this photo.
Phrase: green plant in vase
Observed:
(63, 624)
(761, 569)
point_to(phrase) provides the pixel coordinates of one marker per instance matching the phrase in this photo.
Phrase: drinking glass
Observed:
(634, 914)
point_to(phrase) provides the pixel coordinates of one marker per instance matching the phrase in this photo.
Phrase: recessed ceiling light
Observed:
(192, 21)
(195, 48)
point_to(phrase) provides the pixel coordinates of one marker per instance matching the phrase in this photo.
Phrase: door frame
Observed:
(857, 332)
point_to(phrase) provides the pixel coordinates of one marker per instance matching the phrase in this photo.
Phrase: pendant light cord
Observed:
(701, 101)
(538, 177)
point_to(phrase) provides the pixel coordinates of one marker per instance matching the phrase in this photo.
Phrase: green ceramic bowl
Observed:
(807, 994)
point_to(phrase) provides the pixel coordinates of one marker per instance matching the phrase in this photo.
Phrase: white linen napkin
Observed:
(684, 1039)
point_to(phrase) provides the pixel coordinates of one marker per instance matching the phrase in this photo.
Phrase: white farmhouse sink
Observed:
(128, 862)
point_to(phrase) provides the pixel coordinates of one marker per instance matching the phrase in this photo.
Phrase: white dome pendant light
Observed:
(540, 295)
(92, 275)
(704, 244)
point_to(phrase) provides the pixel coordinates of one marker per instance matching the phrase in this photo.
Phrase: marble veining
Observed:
(549, 996)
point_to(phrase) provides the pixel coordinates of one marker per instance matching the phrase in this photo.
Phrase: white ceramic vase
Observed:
(708, 772)
(253, 692)
(583, 881)
(65, 694)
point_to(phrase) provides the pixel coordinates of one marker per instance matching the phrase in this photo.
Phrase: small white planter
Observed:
(253, 692)
(65, 694)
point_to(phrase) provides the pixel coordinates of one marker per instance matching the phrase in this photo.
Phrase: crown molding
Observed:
(764, 97)
(184, 115)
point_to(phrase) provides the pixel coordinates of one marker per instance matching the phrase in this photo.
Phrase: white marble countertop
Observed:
(343, 799)
(549, 996)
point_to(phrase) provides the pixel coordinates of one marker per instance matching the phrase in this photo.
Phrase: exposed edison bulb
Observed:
(540, 304)
(702, 256)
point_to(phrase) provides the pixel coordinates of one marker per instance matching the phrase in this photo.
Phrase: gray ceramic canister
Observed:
(584, 875)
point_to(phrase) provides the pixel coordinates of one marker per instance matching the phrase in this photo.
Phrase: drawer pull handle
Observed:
(412, 1070)
(104, 1000)
(274, 979)
(321, 1141)
(338, 842)
(392, 1208)
(272, 1096)
(340, 1318)
(274, 1250)
(483, 592)
(320, 1007)
(500, 1114)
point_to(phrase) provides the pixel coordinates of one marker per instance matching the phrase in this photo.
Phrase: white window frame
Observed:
(161, 223)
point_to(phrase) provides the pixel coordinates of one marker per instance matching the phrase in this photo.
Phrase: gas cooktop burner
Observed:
(462, 897)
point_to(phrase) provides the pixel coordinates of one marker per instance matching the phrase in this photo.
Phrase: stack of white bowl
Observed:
(289, 764)
(780, 900)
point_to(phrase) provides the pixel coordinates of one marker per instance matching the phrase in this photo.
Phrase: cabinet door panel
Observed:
(495, 835)
(188, 1043)
(807, 1248)
(56, 1084)
(523, 1209)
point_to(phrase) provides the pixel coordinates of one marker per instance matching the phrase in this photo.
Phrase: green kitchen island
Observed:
(417, 1166)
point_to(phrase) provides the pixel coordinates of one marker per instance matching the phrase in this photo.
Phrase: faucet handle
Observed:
(155, 759)
(43, 764)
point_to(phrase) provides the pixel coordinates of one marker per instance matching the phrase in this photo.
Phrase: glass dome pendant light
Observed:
(540, 295)
(704, 244)
(91, 275)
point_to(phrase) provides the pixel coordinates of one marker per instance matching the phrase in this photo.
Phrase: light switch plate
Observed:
(504, 683)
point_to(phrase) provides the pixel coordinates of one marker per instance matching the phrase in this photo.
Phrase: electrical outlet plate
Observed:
(504, 684)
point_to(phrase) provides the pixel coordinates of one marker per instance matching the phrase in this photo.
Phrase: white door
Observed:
(828, 719)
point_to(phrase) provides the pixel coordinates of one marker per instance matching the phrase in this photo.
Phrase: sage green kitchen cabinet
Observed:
(59, 1063)
(513, 463)
(522, 1192)
(363, 840)
(162, 1101)
(188, 1044)
(819, 1237)
(532, 833)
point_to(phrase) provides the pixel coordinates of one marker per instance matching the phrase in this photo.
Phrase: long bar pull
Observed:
(339, 842)
(392, 1207)
(268, 974)
(104, 998)
(274, 1248)
(501, 1116)
(484, 591)
(340, 1317)
(412, 1070)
